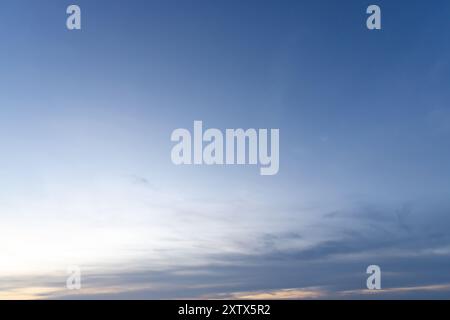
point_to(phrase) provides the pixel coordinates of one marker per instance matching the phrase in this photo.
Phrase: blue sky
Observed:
(86, 176)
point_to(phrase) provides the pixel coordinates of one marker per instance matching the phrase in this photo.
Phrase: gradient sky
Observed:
(86, 176)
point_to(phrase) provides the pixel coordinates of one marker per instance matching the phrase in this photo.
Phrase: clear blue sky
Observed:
(364, 117)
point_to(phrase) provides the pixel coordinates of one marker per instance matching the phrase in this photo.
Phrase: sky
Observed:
(86, 177)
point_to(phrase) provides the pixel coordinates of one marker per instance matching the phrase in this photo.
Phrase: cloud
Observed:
(281, 294)
(164, 245)
(436, 288)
